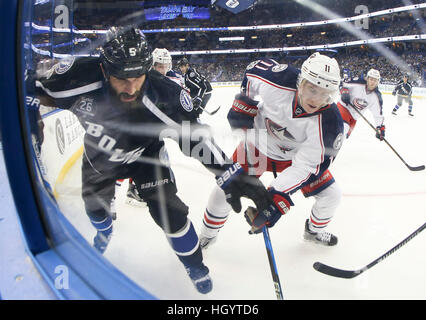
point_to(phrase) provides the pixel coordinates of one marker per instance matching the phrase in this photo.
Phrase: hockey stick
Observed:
(211, 112)
(418, 168)
(349, 274)
(267, 239)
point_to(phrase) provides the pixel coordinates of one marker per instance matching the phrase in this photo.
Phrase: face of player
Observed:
(183, 69)
(405, 79)
(161, 67)
(372, 83)
(128, 89)
(312, 97)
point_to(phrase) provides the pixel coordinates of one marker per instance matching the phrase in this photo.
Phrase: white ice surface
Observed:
(383, 202)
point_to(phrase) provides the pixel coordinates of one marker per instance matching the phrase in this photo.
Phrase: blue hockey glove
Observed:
(380, 134)
(242, 113)
(344, 96)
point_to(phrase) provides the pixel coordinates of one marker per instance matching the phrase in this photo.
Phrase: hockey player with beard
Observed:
(161, 62)
(362, 95)
(124, 106)
(295, 131)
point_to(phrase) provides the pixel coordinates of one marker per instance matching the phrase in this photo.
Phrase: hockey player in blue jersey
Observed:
(161, 62)
(123, 105)
(199, 87)
(403, 91)
(293, 129)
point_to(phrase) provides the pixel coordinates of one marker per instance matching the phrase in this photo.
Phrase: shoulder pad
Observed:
(271, 71)
(171, 73)
(161, 88)
(72, 74)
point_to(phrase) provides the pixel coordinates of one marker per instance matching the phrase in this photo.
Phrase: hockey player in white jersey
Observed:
(298, 131)
(362, 95)
(162, 62)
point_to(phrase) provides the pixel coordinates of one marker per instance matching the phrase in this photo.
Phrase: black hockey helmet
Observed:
(183, 62)
(126, 53)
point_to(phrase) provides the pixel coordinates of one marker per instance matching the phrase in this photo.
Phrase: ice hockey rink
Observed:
(383, 202)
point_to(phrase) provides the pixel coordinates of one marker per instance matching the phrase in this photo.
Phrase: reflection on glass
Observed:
(134, 142)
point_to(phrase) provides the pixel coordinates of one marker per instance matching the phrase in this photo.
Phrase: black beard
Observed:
(128, 105)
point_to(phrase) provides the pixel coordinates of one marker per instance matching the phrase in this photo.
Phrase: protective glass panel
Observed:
(137, 108)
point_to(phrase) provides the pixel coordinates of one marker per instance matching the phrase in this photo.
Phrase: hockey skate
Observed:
(323, 238)
(206, 242)
(200, 278)
(410, 114)
(101, 240)
(394, 112)
(133, 198)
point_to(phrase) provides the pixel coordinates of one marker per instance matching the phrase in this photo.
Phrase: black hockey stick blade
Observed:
(419, 168)
(349, 274)
(210, 113)
(334, 272)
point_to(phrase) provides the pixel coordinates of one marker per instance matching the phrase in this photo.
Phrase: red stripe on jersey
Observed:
(271, 83)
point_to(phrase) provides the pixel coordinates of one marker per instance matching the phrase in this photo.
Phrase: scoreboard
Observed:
(168, 10)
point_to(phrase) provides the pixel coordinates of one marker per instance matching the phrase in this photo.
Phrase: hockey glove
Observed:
(242, 113)
(394, 93)
(196, 103)
(280, 205)
(380, 134)
(236, 183)
(344, 96)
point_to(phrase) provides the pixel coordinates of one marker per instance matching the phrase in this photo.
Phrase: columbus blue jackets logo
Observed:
(186, 101)
(360, 104)
(337, 144)
(232, 3)
(277, 131)
(280, 133)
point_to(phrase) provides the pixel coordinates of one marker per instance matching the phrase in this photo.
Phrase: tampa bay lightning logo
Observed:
(64, 65)
(186, 101)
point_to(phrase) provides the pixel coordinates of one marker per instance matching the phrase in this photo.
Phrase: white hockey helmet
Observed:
(322, 71)
(373, 73)
(162, 56)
